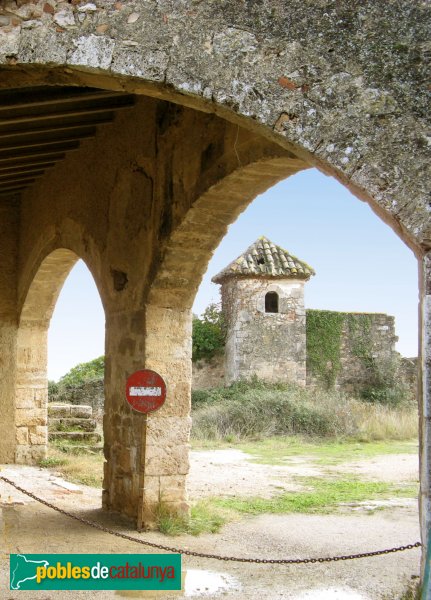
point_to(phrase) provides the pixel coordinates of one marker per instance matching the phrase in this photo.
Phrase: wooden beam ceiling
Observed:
(39, 126)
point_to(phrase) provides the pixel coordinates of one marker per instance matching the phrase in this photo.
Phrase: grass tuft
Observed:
(204, 518)
(77, 468)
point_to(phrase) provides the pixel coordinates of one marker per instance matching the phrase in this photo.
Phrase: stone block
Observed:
(163, 430)
(81, 411)
(167, 460)
(38, 435)
(59, 410)
(30, 417)
(29, 398)
(22, 435)
(30, 455)
(173, 488)
(125, 459)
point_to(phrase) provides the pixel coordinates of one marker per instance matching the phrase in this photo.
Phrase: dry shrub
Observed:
(255, 409)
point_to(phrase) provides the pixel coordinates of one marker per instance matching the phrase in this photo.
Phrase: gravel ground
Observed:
(28, 527)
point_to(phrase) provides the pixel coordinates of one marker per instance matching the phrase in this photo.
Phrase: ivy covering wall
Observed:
(324, 329)
(354, 350)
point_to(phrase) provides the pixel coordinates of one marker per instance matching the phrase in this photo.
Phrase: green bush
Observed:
(53, 388)
(208, 335)
(94, 369)
(383, 385)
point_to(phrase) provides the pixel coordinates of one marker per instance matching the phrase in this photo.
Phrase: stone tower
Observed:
(263, 304)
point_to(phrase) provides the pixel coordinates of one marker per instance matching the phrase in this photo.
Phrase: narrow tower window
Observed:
(271, 302)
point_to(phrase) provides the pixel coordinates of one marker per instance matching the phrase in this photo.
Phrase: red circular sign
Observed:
(145, 391)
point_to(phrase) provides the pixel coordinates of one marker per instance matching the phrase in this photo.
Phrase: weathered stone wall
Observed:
(348, 350)
(31, 377)
(375, 341)
(9, 228)
(270, 346)
(118, 213)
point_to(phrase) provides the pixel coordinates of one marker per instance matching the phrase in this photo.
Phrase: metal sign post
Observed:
(145, 392)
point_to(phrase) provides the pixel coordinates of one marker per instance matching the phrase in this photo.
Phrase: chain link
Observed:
(271, 561)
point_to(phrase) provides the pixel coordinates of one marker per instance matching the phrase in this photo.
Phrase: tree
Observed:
(94, 369)
(208, 333)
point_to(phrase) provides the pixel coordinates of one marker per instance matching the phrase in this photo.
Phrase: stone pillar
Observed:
(124, 354)
(8, 328)
(31, 393)
(168, 351)
(425, 408)
(147, 465)
(8, 335)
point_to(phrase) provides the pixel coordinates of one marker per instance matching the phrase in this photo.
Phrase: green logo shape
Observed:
(95, 572)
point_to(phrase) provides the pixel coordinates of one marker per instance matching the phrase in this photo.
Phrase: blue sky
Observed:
(361, 265)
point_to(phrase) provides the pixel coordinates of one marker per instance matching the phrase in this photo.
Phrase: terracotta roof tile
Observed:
(265, 259)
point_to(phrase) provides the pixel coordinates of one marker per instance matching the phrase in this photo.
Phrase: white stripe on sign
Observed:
(145, 391)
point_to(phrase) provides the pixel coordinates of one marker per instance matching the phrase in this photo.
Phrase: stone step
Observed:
(82, 449)
(78, 411)
(68, 423)
(85, 437)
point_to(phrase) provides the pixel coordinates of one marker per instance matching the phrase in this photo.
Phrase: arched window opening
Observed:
(271, 302)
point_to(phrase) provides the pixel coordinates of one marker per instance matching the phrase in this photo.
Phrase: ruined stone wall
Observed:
(89, 392)
(352, 351)
(366, 343)
(270, 346)
(374, 342)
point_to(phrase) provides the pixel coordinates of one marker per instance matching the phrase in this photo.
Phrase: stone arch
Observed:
(342, 85)
(185, 257)
(31, 378)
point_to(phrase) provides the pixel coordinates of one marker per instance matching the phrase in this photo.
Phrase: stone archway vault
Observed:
(230, 98)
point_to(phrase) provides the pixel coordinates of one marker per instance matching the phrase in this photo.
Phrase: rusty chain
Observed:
(272, 561)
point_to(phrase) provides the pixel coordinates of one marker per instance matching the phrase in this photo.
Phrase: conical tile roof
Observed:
(265, 259)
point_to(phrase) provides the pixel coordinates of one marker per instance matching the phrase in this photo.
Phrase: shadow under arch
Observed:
(31, 397)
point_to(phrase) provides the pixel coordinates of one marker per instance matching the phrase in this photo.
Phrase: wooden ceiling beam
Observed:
(15, 176)
(16, 131)
(23, 146)
(32, 165)
(75, 109)
(24, 98)
(30, 153)
(28, 138)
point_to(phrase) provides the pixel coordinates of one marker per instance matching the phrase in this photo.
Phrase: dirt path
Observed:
(28, 527)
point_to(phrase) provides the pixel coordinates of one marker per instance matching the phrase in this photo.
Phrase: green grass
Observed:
(78, 468)
(278, 450)
(323, 496)
(51, 462)
(204, 518)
